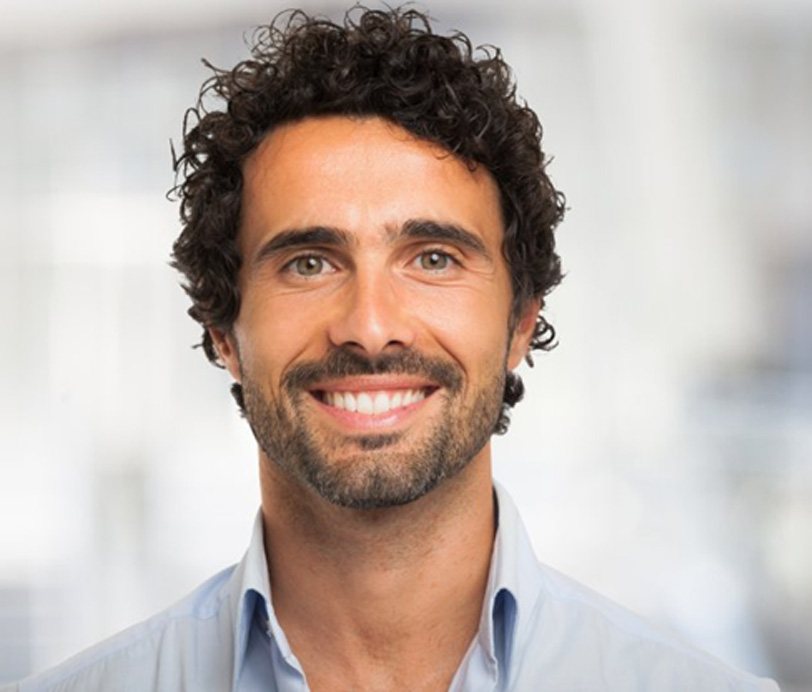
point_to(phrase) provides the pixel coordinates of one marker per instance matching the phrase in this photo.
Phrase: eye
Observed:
(308, 265)
(435, 260)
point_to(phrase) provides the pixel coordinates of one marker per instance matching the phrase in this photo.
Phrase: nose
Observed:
(371, 317)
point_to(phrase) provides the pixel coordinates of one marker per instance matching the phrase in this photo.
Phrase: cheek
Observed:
(471, 325)
(273, 332)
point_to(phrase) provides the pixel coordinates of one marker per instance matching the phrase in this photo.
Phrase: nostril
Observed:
(369, 348)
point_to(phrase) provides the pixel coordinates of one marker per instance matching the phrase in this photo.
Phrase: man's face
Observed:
(373, 339)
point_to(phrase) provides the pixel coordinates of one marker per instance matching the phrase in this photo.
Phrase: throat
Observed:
(367, 628)
(365, 586)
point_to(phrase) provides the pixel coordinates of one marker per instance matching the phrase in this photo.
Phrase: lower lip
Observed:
(371, 421)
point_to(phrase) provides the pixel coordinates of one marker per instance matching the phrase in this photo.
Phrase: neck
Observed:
(376, 596)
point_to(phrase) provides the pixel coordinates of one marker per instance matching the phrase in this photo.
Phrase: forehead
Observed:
(363, 175)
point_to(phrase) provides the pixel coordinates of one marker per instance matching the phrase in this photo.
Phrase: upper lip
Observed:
(371, 383)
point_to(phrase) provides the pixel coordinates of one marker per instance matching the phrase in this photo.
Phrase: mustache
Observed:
(343, 362)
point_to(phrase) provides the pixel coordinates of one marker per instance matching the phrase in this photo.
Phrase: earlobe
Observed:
(523, 333)
(227, 350)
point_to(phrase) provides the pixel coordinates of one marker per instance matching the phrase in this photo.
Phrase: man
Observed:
(367, 243)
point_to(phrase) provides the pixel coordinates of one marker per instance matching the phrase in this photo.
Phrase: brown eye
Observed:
(434, 260)
(310, 265)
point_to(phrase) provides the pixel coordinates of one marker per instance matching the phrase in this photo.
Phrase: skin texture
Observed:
(381, 593)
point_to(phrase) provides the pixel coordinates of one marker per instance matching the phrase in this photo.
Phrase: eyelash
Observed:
(290, 266)
(452, 260)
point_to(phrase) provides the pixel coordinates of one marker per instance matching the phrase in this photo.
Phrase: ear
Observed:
(226, 347)
(523, 332)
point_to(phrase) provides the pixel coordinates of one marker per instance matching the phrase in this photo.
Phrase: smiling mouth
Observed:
(374, 402)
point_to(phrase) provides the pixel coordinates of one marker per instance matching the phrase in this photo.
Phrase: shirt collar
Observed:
(250, 589)
(513, 585)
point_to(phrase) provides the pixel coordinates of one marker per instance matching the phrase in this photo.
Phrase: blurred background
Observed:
(663, 454)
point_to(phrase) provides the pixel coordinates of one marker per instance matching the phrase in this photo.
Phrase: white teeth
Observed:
(364, 403)
(371, 403)
(381, 403)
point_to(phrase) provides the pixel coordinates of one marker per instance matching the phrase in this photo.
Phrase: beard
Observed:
(376, 470)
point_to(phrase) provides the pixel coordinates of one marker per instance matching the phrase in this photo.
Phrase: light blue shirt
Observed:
(539, 632)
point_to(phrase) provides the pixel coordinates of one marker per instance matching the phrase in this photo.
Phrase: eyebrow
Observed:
(323, 236)
(327, 236)
(424, 229)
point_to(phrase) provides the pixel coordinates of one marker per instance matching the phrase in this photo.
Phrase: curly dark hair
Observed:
(388, 64)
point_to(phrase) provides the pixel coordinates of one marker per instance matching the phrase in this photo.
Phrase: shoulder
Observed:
(589, 642)
(156, 653)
